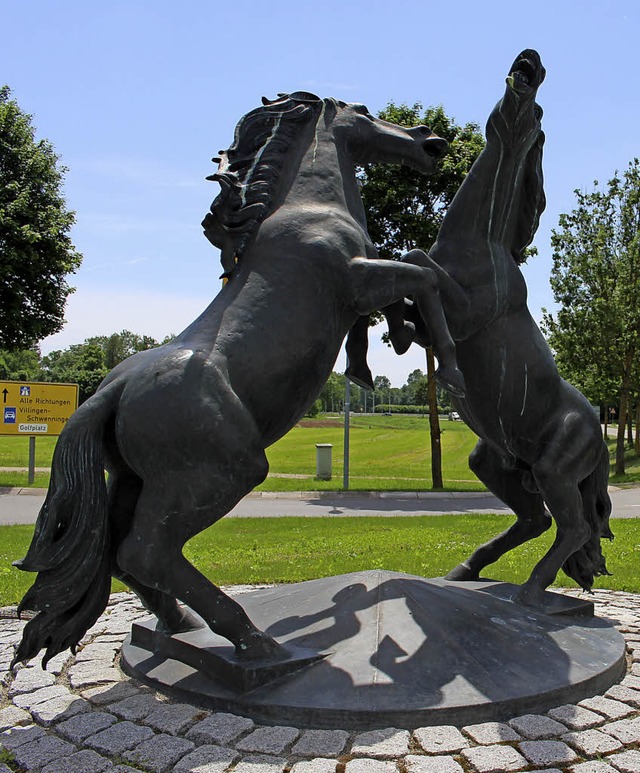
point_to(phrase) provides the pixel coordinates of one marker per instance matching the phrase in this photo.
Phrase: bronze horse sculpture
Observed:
(182, 429)
(540, 441)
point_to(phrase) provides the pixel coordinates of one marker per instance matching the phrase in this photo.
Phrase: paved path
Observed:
(22, 505)
(84, 715)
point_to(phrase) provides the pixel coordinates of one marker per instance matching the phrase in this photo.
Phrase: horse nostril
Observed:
(436, 146)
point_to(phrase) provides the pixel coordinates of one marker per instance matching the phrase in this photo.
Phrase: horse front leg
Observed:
(376, 284)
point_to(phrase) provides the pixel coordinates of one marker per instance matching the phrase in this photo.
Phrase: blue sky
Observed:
(138, 96)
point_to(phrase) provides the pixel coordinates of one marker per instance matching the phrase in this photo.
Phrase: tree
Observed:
(19, 365)
(405, 208)
(596, 280)
(81, 364)
(119, 346)
(36, 252)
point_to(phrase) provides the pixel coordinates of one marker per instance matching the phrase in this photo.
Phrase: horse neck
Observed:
(486, 204)
(325, 175)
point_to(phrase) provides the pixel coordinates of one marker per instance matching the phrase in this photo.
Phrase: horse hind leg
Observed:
(169, 512)
(511, 486)
(123, 492)
(569, 459)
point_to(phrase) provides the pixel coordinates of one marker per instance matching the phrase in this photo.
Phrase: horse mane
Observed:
(249, 170)
(532, 201)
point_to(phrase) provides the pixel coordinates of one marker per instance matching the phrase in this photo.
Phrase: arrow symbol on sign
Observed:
(5, 392)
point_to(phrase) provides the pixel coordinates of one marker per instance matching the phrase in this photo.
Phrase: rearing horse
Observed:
(182, 429)
(540, 442)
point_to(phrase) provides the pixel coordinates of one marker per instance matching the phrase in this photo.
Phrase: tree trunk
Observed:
(625, 393)
(637, 443)
(606, 422)
(630, 426)
(434, 423)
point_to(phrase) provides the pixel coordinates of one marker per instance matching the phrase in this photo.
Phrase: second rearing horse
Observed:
(540, 441)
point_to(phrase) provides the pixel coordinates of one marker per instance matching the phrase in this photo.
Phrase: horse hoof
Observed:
(529, 597)
(363, 378)
(402, 337)
(187, 621)
(452, 380)
(260, 646)
(462, 572)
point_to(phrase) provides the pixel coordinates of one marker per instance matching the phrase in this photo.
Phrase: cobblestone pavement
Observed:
(83, 715)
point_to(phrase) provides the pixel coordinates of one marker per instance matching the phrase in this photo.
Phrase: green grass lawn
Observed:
(284, 550)
(387, 453)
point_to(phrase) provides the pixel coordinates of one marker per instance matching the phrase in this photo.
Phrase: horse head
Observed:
(372, 140)
(515, 124)
(515, 120)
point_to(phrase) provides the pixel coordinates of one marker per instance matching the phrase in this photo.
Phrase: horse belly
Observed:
(512, 385)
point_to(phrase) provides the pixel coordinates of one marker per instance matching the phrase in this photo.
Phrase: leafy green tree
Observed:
(405, 208)
(119, 346)
(596, 281)
(36, 252)
(81, 364)
(19, 365)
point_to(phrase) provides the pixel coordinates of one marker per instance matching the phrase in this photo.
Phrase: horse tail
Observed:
(70, 548)
(588, 562)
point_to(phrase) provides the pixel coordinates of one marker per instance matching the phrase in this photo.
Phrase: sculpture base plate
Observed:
(380, 649)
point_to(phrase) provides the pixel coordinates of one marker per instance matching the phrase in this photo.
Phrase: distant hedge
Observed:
(384, 408)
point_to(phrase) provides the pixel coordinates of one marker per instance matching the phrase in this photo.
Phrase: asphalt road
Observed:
(23, 507)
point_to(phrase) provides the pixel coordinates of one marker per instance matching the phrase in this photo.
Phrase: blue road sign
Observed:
(25, 391)
(10, 415)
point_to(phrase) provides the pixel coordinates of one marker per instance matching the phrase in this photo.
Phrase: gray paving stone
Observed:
(418, 763)
(110, 693)
(366, 765)
(624, 694)
(607, 707)
(174, 718)
(42, 751)
(119, 738)
(60, 708)
(388, 742)
(440, 739)
(78, 728)
(268, 740)
(208, 759)
(86, 761)
(30, 679)
(220, 728)
(17, 736)
(55, 665)
(547, 753)
(626, 762)
(631, 681)
(537, 726)
(136, 707)
(593, 766)
(317, 765)
(260, 763)
(625, 730)
(29, 699)
(89, 673)
(592, 742)
(494, 759)
(576, 717)
(160, 753)
(12, 716)
(317, 743)
(486, 733)
(103, 653)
